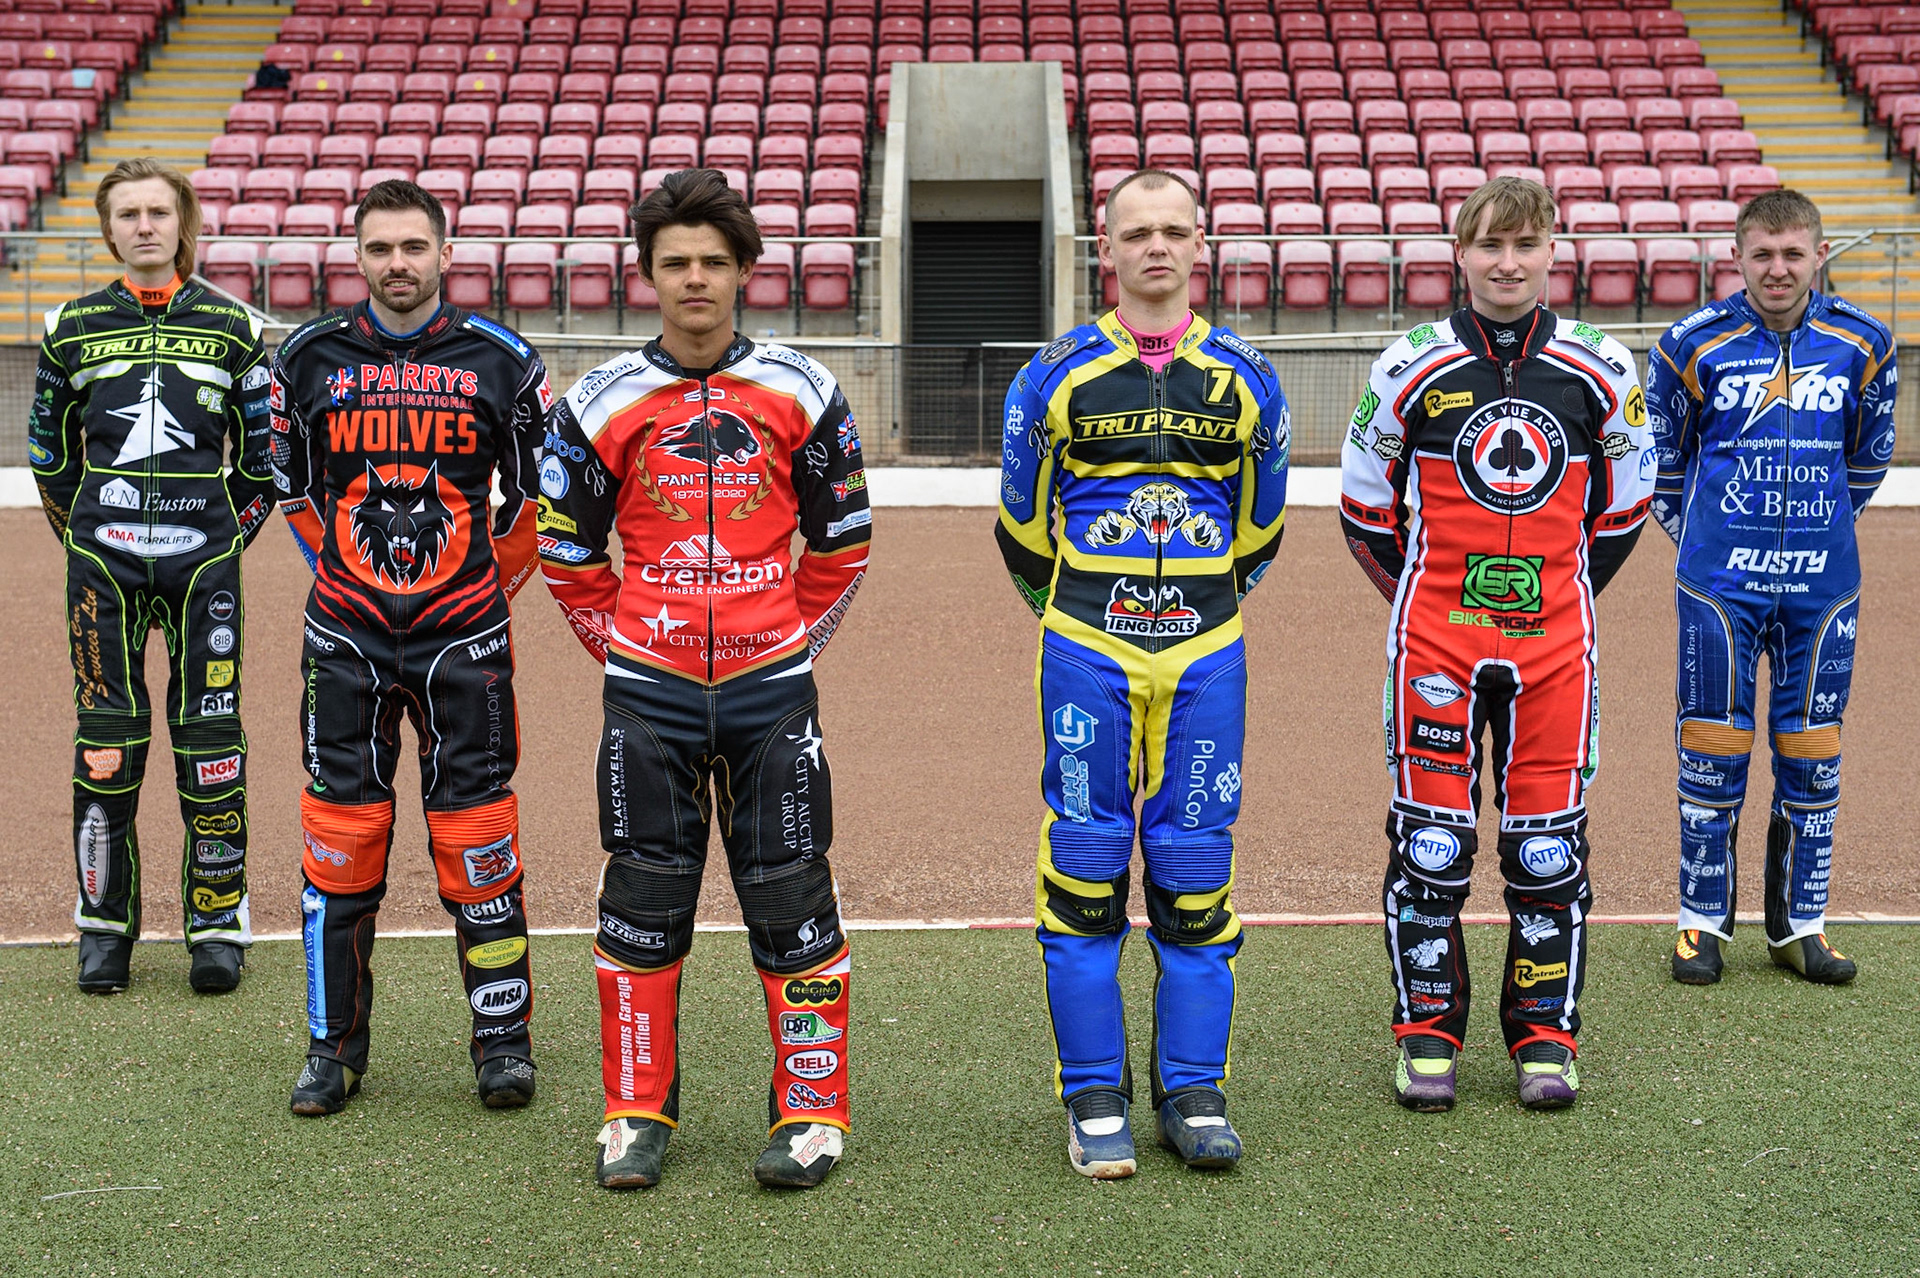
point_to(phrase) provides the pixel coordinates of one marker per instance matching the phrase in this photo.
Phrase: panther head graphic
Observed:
(715, 436)
(400, 527)
(1159, 509)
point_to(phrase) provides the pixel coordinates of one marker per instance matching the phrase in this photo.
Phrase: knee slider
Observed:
(1081, 907)
(1551, 868)
(1439, 858)
(476, 851)
(793, 922)
(1702, 736)
(646, 915)
(108, 762)
(346, 843)
(1815, 743)
(1192, 918)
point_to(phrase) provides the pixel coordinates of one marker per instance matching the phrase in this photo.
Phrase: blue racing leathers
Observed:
(1770, 444)
(1136, 508)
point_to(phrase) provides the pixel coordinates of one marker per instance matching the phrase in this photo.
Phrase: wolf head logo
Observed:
(715, 436)
(400, 527)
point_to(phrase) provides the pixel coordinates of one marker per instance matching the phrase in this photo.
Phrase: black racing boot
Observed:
(104, 959)
(631, 1150)
(323, 1087)
(1816, 959)
(799, 1155)
(1192, 1122)
(505, 1082)
(1696, 958)
(216, 967)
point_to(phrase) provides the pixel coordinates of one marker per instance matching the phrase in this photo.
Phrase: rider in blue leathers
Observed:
(1773, 430)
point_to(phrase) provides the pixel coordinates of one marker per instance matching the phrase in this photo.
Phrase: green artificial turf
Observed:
(1758, 1126)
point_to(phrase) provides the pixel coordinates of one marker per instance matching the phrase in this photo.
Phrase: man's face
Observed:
(1779, 267)
(402, 259)
(143, 223)
(1152, 239)
(697, 278)
(1506, 270)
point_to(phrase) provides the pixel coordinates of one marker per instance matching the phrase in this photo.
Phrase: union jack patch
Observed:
(340, 386)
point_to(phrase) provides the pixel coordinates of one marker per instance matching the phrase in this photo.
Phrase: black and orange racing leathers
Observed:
(708, 638)
(141, 402)
(1489, 496)
(385, 448)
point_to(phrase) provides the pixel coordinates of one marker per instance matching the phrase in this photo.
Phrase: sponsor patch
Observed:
(220, 639)
(1433, 848)
(1058, 350)
(500, 998)
(814, 1064)
(807, 1029)
(812, 991)
(1437, 690)
(217, 771)
(102, 763)
(91, 846)
(219, 674)
(215, 852)
(1439, 738)
(800, 1096)
(216, 703)
(150, 541)
(497, 953)
(492, 863)
(481, 913)
(1527, 973)
(208, 901)
(1546, 855)
(1438, 402)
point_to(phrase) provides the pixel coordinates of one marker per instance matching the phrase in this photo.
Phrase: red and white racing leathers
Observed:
(1489, 497)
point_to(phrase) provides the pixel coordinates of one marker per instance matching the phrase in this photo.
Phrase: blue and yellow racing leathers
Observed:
(1770, 444)
(1137, 508)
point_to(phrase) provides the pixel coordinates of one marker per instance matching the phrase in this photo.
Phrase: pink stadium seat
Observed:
(1593, 217)
(231, 266)
(1246, 275)
(529, 273)
(1744, 181)
(293, 276)
(1672, 271)
(1365, 275)
(344, 284)
(1612, 271)
(1426, 275)
(826, 276)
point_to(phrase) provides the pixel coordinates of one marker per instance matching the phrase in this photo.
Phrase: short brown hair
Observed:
(1778, 211)
(1516, 203)
(695, 197)
(186, 204)
(1150, 180)
(397, 195)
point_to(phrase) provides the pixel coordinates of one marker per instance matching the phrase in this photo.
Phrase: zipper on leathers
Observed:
(1156, 399)
(706, 413)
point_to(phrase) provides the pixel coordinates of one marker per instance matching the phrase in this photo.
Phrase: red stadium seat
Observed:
(1672, 271)
(1426, 275)
(1296, 217)
(1612, 272)
(770, 288)
(1744, 181)
(826, 276)
(529, 273)
(1366, 278)
(231, 265)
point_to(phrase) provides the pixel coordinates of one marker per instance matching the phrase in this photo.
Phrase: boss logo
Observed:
(1439, 738)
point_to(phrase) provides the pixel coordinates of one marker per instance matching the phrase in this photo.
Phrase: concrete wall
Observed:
(974, 142)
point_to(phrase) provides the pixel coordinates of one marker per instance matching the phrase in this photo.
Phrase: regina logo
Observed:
(801, 992)
(501, 998)
(1511, 456)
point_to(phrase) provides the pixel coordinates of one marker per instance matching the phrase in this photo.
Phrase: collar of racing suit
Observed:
(127, 293)
(157, 297)
(738, 349)
(1817, 303)
(362, 325)
(1468, 330)
(1118, 333)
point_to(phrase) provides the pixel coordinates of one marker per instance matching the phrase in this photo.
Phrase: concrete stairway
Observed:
(1813, 135)
(173, 109)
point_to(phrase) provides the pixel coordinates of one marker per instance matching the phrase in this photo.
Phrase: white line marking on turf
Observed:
(110, 1189)
(964, 925)
(1777, 1149)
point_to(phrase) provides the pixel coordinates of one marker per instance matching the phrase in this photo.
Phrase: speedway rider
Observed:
(1495, 476)
(146, 392)
(390, 420)
(707, 452)
(1773, 414)
(1143, 486)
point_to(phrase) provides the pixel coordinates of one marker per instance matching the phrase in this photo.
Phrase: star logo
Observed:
(660, 626)
(809, 742)
(151, 428)
(1779, 387)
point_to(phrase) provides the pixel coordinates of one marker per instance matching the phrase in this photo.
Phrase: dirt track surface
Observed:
(927, 695)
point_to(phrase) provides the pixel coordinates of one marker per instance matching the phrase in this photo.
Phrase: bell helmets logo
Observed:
(217, 771)
(499, 998)
(91, 847)
(814, 1065)
(1511, 456)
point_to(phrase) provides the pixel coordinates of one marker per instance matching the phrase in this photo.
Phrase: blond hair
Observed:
(186, 203)
(1516, 204)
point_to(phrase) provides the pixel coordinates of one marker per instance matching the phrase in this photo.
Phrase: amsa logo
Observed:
(813, 1065)
(499, 998)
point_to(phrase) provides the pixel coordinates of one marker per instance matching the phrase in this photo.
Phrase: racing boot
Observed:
(631, 1150)
(1811, 956)
(1696, 958)
(104, 959)
(799, 1155)
(1192, 1122)
(216, 967)
(1548, 1078)
(324, 1087)
(1099, 1141)
(1423, 1080)
(505, 1082)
